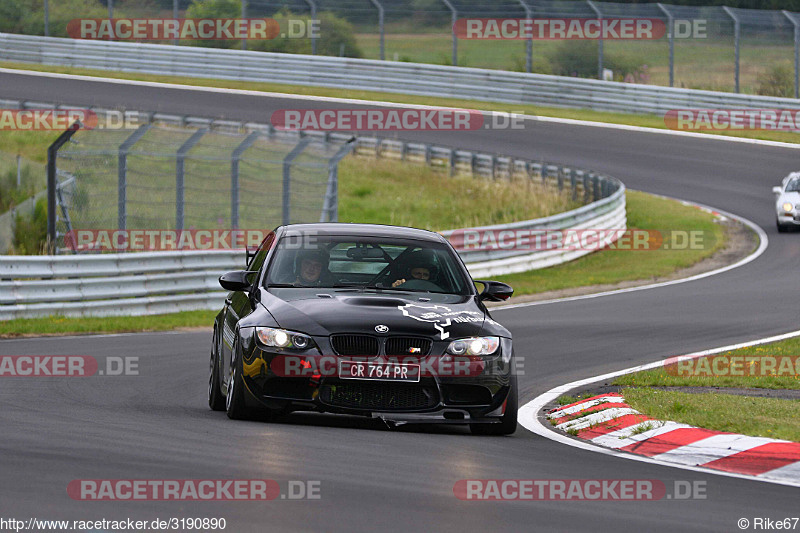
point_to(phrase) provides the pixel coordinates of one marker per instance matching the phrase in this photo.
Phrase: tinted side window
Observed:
(261, 254)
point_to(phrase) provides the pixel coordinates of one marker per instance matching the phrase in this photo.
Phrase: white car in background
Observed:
(787, 202)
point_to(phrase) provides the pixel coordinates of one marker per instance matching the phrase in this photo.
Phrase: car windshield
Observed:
(793, 185)
(363, 263)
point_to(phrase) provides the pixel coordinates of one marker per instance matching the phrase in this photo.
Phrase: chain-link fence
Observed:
(713, 47)
(162, 177)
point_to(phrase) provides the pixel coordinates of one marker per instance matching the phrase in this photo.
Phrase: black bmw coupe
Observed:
(378, 321)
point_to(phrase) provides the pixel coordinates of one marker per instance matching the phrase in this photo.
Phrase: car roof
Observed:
(366, 230)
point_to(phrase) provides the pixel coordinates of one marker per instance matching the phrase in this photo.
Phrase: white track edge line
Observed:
(528, 414)
(763, 243)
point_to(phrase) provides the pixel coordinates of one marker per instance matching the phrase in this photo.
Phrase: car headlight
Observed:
(474, 346)
(787, 206)
(280, 338)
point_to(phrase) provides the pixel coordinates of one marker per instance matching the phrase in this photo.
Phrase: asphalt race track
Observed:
(157, 425)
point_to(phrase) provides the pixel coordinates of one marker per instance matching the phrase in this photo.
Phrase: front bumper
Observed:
(788, 220)
(450, 399)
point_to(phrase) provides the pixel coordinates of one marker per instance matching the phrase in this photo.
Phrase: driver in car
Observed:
(312, 267)
(420, 267)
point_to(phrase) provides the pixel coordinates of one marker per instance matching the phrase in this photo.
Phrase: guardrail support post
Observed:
(796, 52)
(122, 174)
(586, 189)
(287, 175)
(736, 38)
(671, 37)
(52, 155)
(573, 183)
(454, 19)
(599, 41)
(313, 5)
(179, 176)
(377, 4)
(235, 156)
(529, 42)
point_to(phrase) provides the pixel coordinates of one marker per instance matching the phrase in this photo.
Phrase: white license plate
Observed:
(378, 371)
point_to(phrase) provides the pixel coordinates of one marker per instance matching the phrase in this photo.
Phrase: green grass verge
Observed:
(644, 120)
(697, 376)
(56, 325)
(645, 212)
(760, 417)
(384, 191)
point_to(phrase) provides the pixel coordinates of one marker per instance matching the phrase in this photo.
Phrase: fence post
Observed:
(529, 43)
(179, 175)
(736, 37)
(122, 174)
(52, 155)
(454, 19)
(46, 18)
(377, 4)
(19, 171)
(330, 209)
(237, 154)
(671, 37)
(313, 5)
(175, 16)
(796, 53)
(244, 16)
(599, 41)
(287, 174)
(110, 9)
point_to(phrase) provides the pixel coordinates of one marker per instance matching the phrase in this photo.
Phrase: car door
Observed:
(238, 305)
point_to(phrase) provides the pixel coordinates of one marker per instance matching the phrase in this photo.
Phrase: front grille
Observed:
(354, 344)
(408, 346)
(379, 396)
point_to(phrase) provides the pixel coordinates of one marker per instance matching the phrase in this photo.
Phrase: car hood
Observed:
(324, 312)
(793, 197)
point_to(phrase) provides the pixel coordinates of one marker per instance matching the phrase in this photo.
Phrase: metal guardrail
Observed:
(372, 75)
(161, 282)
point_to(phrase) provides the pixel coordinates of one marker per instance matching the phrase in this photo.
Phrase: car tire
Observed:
(216, 401)
(234, 401)
(508, 422)
(781, 227)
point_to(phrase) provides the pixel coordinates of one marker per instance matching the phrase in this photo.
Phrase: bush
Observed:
(579, 58)
(778, 82)
(30, 231)
(209, 9)
(10, 194)
(335, 32)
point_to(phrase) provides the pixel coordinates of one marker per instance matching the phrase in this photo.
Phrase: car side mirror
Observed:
(236, 280)
(494, 291)
(776, 190)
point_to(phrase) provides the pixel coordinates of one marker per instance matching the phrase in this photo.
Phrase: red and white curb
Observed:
(607, 421)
